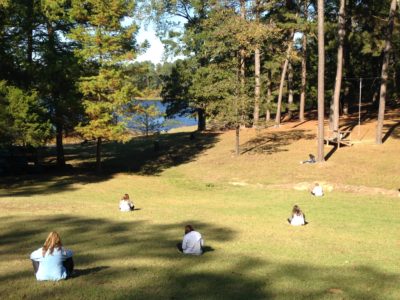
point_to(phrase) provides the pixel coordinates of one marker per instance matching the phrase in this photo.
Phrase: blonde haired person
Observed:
(126, 204)
(52, 261)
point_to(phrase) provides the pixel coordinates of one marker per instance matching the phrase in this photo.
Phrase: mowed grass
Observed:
(349, 250)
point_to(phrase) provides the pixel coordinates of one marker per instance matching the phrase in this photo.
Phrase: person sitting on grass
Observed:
(192, 242)
(52, 261)
(310, 160)
(125, 204)
(298, 218)
(317, 191)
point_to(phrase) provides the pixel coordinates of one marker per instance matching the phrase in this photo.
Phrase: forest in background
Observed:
(67, 66)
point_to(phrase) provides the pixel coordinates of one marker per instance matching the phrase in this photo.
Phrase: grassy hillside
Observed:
(349, 250)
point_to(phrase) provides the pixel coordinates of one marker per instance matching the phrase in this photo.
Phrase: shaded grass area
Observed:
(269, 143)
(182, 277)
(137, 156)
(349, 250)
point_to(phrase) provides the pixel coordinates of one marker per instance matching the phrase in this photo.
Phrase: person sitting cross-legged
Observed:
(126, 204)
(317, 190)
(52, 261)
(298, 218)
(192, 242)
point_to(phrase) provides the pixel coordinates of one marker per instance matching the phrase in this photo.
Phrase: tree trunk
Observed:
(339, 70)
(28, 31)
(201, 119)
(257, 87)
(283, 75)
(55, 97)
(349, 70)
(237, 140)
(321, 81)
(269, 96)
(59, 145)
(29, 50)
(346, 96)
(257, 67)
(242, 67)
(303, 68)
(290, 90)
(98, 155)
(239, 107)
(384, 73)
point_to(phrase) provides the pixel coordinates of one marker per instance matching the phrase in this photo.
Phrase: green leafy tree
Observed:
(59, 71)
(147, 118)
(147, 78)
(106, 45)
(35, 55)
(24, 119)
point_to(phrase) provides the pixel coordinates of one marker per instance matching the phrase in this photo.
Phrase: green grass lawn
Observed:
(349, 250)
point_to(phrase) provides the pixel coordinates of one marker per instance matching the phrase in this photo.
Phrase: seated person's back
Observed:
(51, 258)
(317, 190)
(192, 241)
(298, 218)
(125, 204)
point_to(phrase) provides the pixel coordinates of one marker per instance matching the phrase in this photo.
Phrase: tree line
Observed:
(67, 66)
(250, 60)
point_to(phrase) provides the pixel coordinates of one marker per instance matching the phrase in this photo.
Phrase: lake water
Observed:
(161, 123)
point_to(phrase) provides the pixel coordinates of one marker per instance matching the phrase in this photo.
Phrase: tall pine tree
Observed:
(106, 46)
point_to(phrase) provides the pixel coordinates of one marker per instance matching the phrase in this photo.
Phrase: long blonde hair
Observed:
(53, 241)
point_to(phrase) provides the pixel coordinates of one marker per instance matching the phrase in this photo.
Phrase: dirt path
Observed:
(307, 186)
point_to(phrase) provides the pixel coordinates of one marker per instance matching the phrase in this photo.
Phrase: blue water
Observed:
(165, 124)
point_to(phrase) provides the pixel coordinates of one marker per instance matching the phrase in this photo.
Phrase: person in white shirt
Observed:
(192, 242)
(125, 204)
(298, 218)
(310, 160)
(317, 191)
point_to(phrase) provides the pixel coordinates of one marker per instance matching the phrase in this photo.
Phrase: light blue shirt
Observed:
(51, 265)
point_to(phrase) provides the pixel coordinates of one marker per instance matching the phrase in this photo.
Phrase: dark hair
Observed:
(296, 210)
(188, 228)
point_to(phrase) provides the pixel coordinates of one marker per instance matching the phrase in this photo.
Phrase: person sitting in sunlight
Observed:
(317, 191)
(52, 261)
(126, 204)
(298, 218)
(192, 242)
(310, 160)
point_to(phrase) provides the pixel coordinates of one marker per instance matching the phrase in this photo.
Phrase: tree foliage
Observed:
(106, 45)
(23, 119)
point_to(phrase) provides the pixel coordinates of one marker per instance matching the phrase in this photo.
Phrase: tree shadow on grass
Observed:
(135, 157)
(393, 131)
(28, 234)
(163, 273)
(271, 142)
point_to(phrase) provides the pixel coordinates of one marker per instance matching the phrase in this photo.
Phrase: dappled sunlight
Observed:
(252, 255)
(135, 157)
